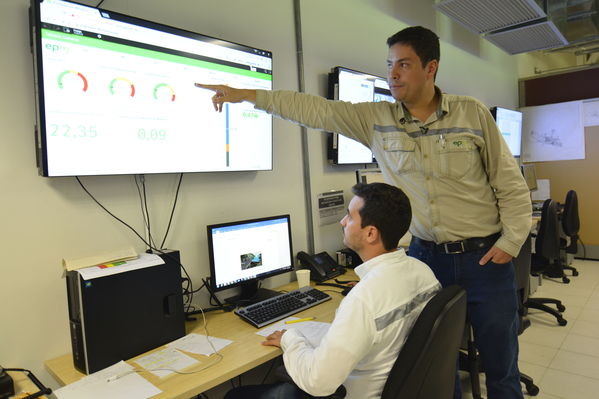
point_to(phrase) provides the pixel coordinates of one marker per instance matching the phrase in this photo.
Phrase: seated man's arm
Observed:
(320, 371)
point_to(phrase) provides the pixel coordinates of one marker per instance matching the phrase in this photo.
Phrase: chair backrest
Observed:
(522, 268)
(571, 221)
(547, 241)
(426, 365)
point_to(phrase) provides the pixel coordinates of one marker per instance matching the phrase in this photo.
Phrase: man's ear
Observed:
(431, 68)
(372, 234)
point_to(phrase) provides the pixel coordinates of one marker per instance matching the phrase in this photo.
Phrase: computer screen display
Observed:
(115, 95)
(530, 176)
(510, 125)
(354, 86)
(244, 252)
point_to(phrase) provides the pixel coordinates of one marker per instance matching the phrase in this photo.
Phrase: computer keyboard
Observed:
(279, 307)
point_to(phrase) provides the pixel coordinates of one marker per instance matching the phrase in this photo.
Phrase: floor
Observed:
(563, 361)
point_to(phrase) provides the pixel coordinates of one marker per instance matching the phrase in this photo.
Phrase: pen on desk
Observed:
(117, 376)
(299, 320)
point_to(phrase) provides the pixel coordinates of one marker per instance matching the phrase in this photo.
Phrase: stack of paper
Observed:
(118, 381)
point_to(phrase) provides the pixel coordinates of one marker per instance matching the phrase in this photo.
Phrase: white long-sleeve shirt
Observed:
(370, 327)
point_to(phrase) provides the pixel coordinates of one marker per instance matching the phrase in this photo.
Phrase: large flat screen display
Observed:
(354, 86)
(115, 95)
(510, 125)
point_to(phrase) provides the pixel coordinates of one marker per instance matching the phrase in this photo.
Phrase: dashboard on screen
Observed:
(115, 95)
(354, 86)
(510, 125)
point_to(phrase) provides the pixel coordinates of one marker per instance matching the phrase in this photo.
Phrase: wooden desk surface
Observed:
(23, 385)
(242, 355)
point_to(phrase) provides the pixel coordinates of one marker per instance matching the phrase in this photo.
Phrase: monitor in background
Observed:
(510, 125)
(353, 86)
(530, 176)
(115, 95)
(369, 175)
(243, 253)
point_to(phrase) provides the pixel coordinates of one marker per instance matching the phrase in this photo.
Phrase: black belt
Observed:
(459, 247)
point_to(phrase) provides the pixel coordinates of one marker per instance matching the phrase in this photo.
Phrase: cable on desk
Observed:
(215, 352)
(43, 390)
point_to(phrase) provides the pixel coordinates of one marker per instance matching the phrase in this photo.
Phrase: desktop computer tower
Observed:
(119, 316)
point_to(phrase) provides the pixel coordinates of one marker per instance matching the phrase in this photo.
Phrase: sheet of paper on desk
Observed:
(312, 330)
(144, 260)
(165, 362)
(198, 344)
(118, 381)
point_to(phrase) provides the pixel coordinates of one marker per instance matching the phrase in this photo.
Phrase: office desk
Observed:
(242, 355)
(23, 385)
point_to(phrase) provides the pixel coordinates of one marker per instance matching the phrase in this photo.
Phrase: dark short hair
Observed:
(387, 208)
(424, 42)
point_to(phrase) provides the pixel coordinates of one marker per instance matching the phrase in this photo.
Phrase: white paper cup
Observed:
(303, 277)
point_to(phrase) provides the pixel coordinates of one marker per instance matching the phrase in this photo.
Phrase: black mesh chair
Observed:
(570, 227)
(426, 365)
(546, 260)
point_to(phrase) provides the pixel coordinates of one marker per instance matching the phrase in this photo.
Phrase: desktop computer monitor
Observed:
(510, 125)
(530, 176)
(244, 252)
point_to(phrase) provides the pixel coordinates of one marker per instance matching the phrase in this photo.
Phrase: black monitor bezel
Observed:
(333, 80)
(494, 114)
(259, 277)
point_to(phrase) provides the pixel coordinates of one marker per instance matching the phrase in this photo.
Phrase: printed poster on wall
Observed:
(553, 132)
(591, 112)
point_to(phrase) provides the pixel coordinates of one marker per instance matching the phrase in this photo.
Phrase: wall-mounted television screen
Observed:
(510, 125)
(354, 86)
(115, 95)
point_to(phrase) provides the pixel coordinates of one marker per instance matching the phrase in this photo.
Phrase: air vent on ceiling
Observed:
(482, 16)
(537, 36)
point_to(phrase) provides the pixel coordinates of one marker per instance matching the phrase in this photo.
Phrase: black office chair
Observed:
(426, 365)
(546, 260)
(570, 227)
(469, 359)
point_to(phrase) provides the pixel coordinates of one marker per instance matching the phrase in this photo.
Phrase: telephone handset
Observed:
(322, 266)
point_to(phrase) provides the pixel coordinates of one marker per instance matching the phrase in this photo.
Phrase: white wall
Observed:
(45, 220)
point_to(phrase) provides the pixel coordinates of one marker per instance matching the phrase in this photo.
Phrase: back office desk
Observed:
(245, 353)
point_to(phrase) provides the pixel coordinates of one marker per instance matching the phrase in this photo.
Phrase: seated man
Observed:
(373, 321)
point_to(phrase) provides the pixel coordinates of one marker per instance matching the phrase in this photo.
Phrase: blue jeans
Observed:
(492, 311)
(282, 390)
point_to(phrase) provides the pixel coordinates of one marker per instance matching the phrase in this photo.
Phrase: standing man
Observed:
(373, 320)
(471, 206)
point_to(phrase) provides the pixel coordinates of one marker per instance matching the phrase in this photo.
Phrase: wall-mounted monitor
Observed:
(354, 86)
(244, 252)
(510, 125)
(115, 95)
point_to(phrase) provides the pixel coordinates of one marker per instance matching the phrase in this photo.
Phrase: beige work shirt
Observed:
(456, 168)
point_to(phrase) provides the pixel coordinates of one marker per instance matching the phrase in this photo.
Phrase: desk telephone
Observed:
(322, 266)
